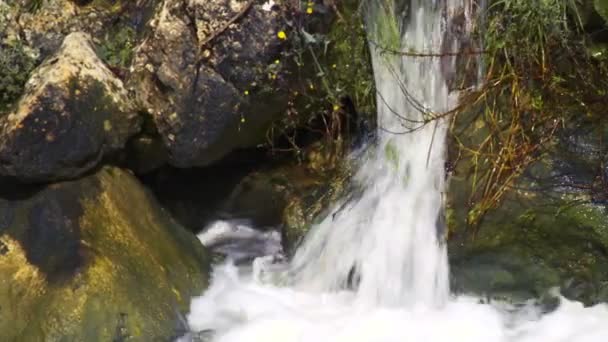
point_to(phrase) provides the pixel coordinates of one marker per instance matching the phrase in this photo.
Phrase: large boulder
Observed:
(74, 111)
(93, 260)
(532, 244)
(549, 231)
(203, 75)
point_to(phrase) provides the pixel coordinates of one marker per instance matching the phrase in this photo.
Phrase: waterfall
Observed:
(389, 239)
(375, 269)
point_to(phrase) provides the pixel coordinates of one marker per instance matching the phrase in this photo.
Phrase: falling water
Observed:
(376, 268)
(389, 238)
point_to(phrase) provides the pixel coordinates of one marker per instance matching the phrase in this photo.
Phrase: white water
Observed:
(386, 241)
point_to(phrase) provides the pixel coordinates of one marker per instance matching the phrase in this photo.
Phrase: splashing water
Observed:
(376, 268)
(387, 238)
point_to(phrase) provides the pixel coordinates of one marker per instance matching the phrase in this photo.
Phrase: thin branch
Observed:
(232, 20)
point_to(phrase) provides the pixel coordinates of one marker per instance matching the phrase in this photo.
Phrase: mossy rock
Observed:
(309, 201)
(601, 6)
(530, 246)
(73, 113)
(93, 260)
(543, 235)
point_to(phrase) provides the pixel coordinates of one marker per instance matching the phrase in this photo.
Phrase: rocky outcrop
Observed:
(44, 24)
(74, 112)
(549, 231)
(93, 260)
(531, 245)
(201, 72)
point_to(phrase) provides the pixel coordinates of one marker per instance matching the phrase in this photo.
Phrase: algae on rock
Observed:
(93, 260)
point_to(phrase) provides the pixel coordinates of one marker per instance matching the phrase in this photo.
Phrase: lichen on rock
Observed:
(196, 73)
(74, 112)
(93, 260)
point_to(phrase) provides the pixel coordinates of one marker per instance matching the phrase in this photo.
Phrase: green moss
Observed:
(531, 244)
(116, 49)
(309, 201)
(601, 6)
(131, 268)
(348, 62)
(391, 154)
(15, 68)
(386, 31)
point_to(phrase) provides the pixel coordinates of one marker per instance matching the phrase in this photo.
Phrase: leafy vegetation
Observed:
(333, 86)
(544, 75)
(117, 47)
(15, 67)
(539, 80)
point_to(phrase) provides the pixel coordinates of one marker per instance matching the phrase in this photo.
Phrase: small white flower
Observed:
(268, 5)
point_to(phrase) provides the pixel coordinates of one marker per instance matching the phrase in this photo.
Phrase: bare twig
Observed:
(232, 20)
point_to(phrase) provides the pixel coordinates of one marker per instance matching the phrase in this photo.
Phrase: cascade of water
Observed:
(387, 242)
(389, 239)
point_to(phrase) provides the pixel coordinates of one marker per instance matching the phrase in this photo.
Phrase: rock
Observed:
(74, 112)
(45, 23)
(16, 59)
(530, 246)
(284, 195)
(207, 102)
(309, 202)
(195, 196)
(548, 232)
(93, 260)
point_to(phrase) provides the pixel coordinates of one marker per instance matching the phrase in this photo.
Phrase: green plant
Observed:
(117, 46)
(15, 67)
(331, 67)
(540, 78)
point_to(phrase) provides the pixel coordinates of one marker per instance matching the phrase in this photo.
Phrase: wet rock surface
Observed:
(549, 232)
(74, 112)
(93, 260)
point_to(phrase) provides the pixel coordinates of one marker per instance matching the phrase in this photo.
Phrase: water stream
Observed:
(375, 269)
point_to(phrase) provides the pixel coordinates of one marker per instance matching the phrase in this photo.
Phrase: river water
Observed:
(375, 269)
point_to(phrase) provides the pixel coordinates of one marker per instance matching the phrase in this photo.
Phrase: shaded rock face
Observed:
(93, 260)
(550, 231)
(286, 196)
(201, 90)
(73, 113)
(532, 245)
(44, 24)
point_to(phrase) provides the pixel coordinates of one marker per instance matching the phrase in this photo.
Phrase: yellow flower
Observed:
(246, 92)
(242, 120)
(277, 61)
(282, 35)
(336, 107)
(309, 10)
